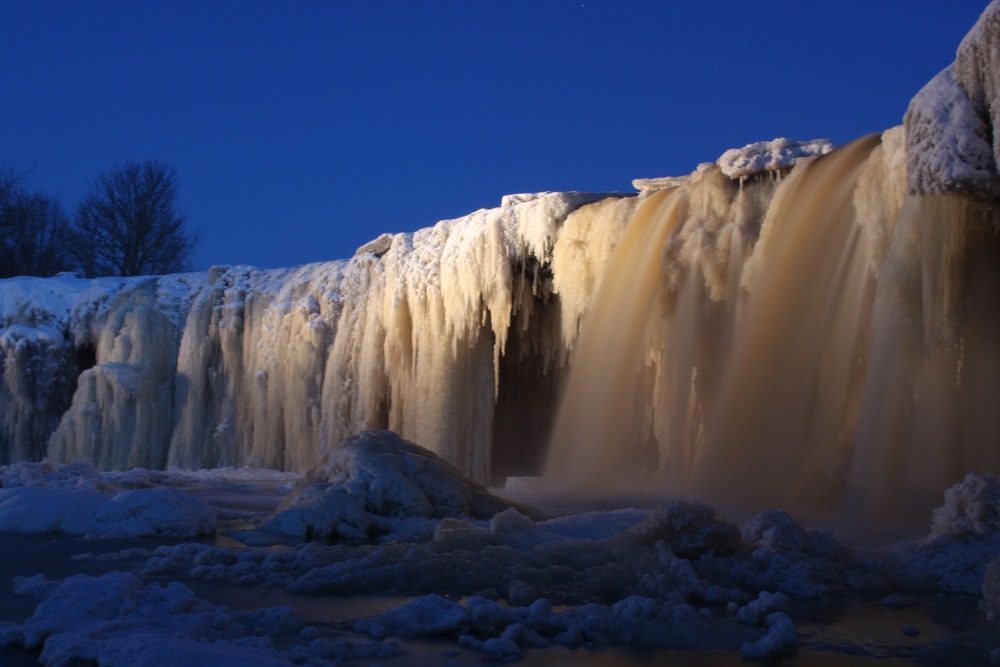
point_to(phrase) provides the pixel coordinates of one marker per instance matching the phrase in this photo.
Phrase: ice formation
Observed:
(823, 334)
(372, 484)
(74, 499)
(679, 576)
(789, 327)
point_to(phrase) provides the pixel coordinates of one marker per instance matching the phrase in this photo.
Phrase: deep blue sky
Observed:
(300, 130)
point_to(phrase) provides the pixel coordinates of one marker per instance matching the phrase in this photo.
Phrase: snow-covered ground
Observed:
(431, 568)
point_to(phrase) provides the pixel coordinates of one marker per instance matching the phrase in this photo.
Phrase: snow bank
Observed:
(371, 484)
(74, 499)
(117, 619)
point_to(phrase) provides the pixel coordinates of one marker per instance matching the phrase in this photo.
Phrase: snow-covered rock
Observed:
(964, 539)
(374, 481)
(951, 123)
(769, 156)
(971, 507)
(691, 530)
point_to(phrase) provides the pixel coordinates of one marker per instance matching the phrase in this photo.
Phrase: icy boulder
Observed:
(691, 530)
(951, 137)
(73, 499)
(971, 508)
(374, 481)
(964, 539)
(775, 531)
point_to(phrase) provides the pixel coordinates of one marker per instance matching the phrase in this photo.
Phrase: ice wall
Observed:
(240, 366)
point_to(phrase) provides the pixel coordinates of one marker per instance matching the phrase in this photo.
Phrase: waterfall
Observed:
(833, 347)
(787, 326)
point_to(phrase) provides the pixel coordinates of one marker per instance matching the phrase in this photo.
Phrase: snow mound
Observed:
(374, 481)
(776, 531)
(119, 620)
(763, 156)
(964, 539)
(971, 507)
(691, 530)
(35, 498)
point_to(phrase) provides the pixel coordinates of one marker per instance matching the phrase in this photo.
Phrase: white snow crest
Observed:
(372, 484)
(74, 499)
(951, 124)
(948, 142)
(764, 156)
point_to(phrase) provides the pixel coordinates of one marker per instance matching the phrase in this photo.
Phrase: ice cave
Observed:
(795, 326)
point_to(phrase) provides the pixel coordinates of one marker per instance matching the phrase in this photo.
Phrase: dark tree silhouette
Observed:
(32, 228)
(129, 225)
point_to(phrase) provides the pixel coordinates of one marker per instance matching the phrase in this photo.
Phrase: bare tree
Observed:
(129, 225)
(32, 227)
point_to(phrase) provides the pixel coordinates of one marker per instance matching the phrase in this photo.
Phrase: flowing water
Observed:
(823, 352)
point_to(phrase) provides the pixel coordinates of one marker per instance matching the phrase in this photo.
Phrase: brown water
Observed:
(835, 352)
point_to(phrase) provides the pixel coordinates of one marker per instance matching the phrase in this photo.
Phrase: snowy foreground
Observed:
(484, 576)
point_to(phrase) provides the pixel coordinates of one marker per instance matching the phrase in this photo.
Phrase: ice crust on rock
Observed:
(769, 156)
(971, 507)
(951, 140)
(963, 541)
(374, 481)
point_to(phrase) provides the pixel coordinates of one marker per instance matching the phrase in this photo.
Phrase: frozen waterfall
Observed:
(788, 325)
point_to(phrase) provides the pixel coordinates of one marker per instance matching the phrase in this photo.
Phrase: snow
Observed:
(117, 619)
(75, 499)
(777, 365)
(499, 586)
(764, 156)
(951, 140)
(373, 482)
(948, 142)
(971, 507)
